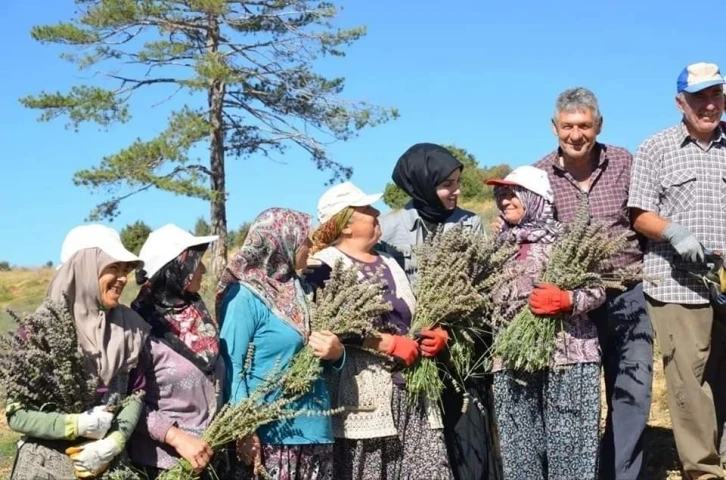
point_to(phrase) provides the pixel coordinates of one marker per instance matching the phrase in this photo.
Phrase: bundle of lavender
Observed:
(580, 259)
(234, 422)
(346, 306)
(457, 270)
(41, 366)
(488, 274)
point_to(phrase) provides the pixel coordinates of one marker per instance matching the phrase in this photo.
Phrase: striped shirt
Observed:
(684, 183)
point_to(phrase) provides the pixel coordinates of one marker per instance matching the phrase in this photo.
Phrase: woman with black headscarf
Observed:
(431, 176)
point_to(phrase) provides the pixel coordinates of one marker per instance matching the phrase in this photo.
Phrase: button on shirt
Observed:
(684, 183)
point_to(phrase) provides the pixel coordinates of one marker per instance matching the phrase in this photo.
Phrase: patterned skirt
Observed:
(35, 461)
(46, 460)
(549, 422)
(417, 452)
(291, 462)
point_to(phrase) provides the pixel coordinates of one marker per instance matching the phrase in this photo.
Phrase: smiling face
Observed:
(510, 205)
(577, 132)
(112, 281)
(448, 191)
(702, 110)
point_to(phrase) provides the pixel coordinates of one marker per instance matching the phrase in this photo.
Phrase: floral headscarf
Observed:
(538, 225)
(327, 233)
(266, 265)
(176, 315)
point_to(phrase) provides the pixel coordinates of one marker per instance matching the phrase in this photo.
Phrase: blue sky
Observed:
(481, 75)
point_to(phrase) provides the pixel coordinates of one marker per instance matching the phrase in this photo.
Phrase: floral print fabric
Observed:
(178, 316)
(266, 265)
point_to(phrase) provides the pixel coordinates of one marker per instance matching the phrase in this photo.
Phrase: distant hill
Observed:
(22, 290)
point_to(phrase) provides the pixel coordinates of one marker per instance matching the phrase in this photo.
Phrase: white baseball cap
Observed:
(342, 196)
(531, 178)
(95, 235)
(165, 244)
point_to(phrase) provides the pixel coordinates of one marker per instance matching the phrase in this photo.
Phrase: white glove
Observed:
(94, 457)
(94, 423)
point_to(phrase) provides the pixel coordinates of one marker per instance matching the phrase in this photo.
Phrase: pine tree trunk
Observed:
(218, 212)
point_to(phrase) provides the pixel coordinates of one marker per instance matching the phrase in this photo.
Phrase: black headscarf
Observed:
(418, 172)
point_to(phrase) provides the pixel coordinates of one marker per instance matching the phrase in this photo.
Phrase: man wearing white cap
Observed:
(581, 167)
(678, 197)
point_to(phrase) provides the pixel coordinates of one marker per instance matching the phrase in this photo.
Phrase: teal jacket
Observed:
(245, 320)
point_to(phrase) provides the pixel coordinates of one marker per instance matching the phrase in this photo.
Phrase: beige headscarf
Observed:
(112, 340)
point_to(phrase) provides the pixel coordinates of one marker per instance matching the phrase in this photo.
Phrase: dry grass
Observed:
(487, 210)
(661, 458)
(8, 438)
(21, 291)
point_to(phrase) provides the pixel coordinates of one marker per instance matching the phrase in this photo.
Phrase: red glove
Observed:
(548, 299)
(404, 348)
(433, 341)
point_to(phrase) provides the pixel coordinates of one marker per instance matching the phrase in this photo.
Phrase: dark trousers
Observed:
(626, 340)
(470, 432)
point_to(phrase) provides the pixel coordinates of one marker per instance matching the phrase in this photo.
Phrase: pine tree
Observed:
(134, 236)
(250, 61)
(202, 228)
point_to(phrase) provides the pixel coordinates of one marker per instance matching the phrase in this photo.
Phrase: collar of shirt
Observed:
(410, 217)
(598, 159)
(686, 137)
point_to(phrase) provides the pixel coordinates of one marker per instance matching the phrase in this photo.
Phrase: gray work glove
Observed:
(684, 243)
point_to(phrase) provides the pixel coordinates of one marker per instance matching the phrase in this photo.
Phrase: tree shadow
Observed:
(660, 457)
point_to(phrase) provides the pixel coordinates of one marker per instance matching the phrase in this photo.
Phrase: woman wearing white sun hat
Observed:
(548, 420)
(184, 370)
(89, 284)
(399, 439)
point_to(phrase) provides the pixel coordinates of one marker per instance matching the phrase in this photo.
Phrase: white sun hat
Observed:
(95, 235)
(532, 178)
(165, 244)
(342, 196)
